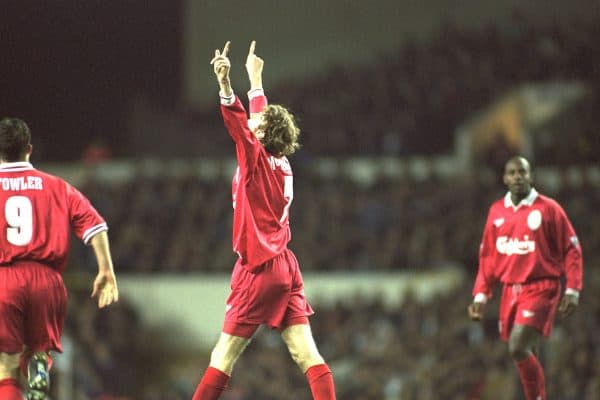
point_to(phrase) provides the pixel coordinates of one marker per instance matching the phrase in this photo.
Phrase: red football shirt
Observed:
(38, 212)
(533, 240)
(262, 190)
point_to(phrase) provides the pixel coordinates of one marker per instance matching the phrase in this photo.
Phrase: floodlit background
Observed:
(408, 112)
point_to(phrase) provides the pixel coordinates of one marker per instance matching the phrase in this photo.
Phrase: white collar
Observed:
(16, 166)
(527, 201)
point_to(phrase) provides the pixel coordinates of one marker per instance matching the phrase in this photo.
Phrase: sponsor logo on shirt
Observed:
(574, 241)
(508, 247)
(534, 220)
(527, 313)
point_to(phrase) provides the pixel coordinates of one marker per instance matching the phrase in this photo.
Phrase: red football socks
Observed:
(9, 390)
(320, 380)
(212, 384)
(532, 378)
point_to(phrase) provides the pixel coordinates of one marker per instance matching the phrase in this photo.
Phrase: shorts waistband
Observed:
(535, 281)
(534, 284)
(19, 263)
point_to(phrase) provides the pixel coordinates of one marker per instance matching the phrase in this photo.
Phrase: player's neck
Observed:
(517, 198)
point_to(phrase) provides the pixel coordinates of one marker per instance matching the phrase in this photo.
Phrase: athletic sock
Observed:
(212, 384)
(532, 378)
(321, 384)
(9, 389)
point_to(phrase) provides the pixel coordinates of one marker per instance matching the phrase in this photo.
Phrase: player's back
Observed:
(35, 216)
(261, 209)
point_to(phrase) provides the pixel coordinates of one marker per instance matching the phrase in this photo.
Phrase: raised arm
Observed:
(254, 67)
(221, 66)
(256, 94)
(234, 115)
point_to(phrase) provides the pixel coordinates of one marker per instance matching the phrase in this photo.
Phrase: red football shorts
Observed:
(533, 304)
(273, 295)
(33, 304)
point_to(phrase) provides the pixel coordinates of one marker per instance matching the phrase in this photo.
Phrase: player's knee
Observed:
(305, 357)
(223, 359)
(522, 342)
(295, 354)
(301, 346)
(9, 365)
(517, 349)
(304, 362)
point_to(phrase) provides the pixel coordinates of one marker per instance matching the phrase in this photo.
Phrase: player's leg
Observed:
(226, 352)
(533, 319)
(44, 321)
(303, 349)
(12, 331)
(298, 337)
(222, 360)
(522, 343)
(301, 345)
(9, 374)
(38, 375)
(235, 335)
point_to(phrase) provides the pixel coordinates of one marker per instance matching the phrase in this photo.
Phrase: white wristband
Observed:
(227, 100)
(572, 292)
(255, 93)
(480, 298)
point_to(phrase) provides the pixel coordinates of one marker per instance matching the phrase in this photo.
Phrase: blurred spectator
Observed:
(96, 152)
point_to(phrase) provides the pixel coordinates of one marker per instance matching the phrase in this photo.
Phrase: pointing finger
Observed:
(252, 47)
(226, 48)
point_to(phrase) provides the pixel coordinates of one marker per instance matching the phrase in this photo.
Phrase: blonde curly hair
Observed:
(281, 133)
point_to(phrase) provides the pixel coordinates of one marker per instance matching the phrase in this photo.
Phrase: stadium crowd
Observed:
(339, 223)
(415, 351)
(414, 100)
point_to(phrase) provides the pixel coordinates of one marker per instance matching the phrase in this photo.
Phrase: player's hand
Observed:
(254, 64)
(221, 63)
(476, 310)
(568, 304)
(105, 289)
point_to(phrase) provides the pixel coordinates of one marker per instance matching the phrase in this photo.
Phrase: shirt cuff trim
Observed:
(480, 298)
(91, 232)
(572, 292)
(227, 100)
(255, 93)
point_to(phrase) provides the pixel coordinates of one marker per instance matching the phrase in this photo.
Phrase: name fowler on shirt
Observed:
(21, 183)
(508, 247)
